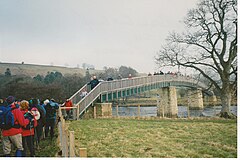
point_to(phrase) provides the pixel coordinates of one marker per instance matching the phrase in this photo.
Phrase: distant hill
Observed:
(33, 70)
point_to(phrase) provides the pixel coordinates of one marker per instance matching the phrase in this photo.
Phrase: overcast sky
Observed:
(99, 32)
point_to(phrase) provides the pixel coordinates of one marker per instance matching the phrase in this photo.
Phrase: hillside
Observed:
(33, 70)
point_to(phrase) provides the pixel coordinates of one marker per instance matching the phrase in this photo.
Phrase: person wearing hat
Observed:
(28, 133)
(51, 108)
(14, 134)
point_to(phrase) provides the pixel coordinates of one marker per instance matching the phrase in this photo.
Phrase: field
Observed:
(32, 70)
(159, 138)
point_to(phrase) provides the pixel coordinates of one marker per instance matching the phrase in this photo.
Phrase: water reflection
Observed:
(182, 111)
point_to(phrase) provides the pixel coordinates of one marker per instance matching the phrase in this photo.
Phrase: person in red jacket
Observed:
(68, 103)
(14, 134)
(28, 133)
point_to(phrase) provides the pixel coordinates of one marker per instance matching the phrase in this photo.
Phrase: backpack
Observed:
(30, 117)
(36, 113)
(50, 110)
(42, 114)
(6, 117)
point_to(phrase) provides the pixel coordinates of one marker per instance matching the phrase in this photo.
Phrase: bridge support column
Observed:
(210, 100)
(195, 98)
(103, 110)
(168, 102)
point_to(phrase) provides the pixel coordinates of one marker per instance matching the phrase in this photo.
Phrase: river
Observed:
(182, 111)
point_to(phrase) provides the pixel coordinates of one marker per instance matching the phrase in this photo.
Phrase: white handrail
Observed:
(77, 96)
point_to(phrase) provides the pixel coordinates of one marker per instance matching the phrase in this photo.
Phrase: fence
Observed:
(66, 139)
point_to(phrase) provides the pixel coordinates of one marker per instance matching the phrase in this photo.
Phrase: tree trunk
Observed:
(226, 103)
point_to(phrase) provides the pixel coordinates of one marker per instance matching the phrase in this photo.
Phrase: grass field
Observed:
(162, 138)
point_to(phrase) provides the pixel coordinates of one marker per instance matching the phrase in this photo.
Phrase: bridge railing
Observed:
(88, 99)
(139, 81)
(77, 96)
(108, 86)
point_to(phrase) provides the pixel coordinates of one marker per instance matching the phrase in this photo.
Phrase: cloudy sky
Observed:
(99, 32)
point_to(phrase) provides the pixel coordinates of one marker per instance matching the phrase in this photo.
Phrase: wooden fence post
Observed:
(83, 152)
(59, 134)
(74, 113)
(60, 111)
(188, 111)
(163, 109)
(66, 144)
(78, 109)
(117, 110)
(95, 112)
(64, 147)
(138, 111)
(71, 144)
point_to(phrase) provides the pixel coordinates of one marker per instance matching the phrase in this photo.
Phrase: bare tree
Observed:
(209, 46)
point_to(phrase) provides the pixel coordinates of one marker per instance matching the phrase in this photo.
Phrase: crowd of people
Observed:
(167, 73)
(23, 123)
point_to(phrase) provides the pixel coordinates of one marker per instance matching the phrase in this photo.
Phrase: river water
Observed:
(182, 111)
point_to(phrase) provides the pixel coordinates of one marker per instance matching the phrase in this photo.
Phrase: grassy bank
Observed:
(156, 138)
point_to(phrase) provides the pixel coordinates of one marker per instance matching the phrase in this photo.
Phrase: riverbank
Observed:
(157, 137)
(153, 102)
(150, 99)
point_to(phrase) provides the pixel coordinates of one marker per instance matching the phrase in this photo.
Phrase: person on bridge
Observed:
(94, 82)
(110, 79)
(83, 93)
(129, 75)
(119, 77)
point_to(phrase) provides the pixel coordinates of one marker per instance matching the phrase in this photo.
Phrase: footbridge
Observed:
(108, 91)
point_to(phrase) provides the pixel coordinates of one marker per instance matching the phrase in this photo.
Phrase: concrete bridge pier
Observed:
(103, 110)
(195, 99)
(210, 100)
(168, 103)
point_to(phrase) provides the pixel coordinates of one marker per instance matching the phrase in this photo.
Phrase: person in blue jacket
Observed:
(51, 109)
(94, 82)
